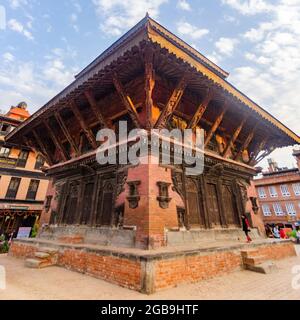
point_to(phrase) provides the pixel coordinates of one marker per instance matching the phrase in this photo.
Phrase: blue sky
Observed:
(45, 43)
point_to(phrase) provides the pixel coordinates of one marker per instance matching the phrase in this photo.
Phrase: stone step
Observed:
(37, 264)
(254, 260)
(42, 255)
(50, 251)
(265, 267)
(250, 253)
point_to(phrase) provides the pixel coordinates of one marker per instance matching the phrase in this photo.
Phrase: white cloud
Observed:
(184, 5)
(8, 57)
(249, 7)
(226, 45)
(35, 83)
(73, 20)
(17, 3)
(193, 32)
(119, 15)
(17, 26)
(273, 80)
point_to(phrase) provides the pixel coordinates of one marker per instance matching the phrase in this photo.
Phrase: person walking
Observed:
(246, 227)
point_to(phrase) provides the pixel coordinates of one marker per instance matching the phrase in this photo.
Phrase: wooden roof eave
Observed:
(157, 38)
(81, 80)
(134, 37)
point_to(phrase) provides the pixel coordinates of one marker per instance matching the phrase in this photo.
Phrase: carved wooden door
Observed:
(72, 200)
(193, 205)
(213, 205)
(87, 203)
(105, 204)
(229, 206)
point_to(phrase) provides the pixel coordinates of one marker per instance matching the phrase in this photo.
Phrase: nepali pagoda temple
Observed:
(152, 80)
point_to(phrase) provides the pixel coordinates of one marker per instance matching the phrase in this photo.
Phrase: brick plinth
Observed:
(151, 271)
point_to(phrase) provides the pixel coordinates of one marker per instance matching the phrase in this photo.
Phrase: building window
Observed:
(13, 188)
(266, 210)
(278, 209)
(4, 152)
(23, 156)
(290, 208)
(32, 190)
(262, 192)
(273, 191)
(285, 190)
(296, 188)
(48, 203)
(39, 162)
(4, 128)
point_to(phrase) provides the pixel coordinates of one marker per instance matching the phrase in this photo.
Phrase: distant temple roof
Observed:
(18, 112)
(149, 31)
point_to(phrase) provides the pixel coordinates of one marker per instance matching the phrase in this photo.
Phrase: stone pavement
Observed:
(59, 283)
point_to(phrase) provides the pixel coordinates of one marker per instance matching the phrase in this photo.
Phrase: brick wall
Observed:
(149, 274)
(149, 218)
(169, 273)
(118, 270)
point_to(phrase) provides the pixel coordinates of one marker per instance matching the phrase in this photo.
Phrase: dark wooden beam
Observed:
(173, 102)
(216, 124)
(126, 101)
(265, 154)
(246, 143)
(61, 150)
(200, 110)
(29, 143)
(234, 137)
(87, 131)
(43, 148)
(149, 86)
(95, 107)
(261, 145)
(66, 132)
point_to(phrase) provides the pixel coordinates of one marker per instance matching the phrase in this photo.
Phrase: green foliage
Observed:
(4, 246)
(34, 231)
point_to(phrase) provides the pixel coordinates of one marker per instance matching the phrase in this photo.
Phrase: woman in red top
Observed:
(246, 227)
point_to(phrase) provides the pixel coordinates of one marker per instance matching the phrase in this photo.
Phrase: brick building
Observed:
(23, 185)
(278, 192)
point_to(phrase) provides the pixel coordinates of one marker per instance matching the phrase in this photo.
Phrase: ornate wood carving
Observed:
(241, 193)
(66, 132)
(216, 124)
(194, 216)
(96, 109)
(254, 204)
(265, 154)
(234, 137)
(58, 145)
(149, 86)
(107, 202)
(173, 102)
(121, 180)
(88, 133)
(133, 197)
(258, 149)
(30, 143)
(177, 180)
(216, 170)
(126, 101)
(246, 143)
(45, 152)
(181, 217)
(200, 110)
(163, 197)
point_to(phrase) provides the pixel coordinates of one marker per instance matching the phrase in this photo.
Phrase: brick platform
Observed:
(150, 271)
